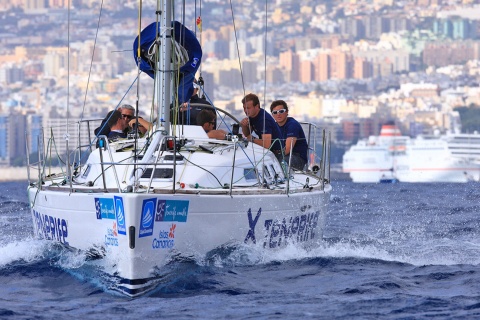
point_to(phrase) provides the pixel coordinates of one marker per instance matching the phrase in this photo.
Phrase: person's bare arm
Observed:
(265, 142)
(289, 144)
(144, 123)
(217, 134)
(245, 127)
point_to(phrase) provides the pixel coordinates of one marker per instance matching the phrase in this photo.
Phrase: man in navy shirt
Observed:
(292, 135)
(118, 122)
(262, 124)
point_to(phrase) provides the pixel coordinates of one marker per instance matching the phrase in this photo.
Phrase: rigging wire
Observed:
(238, 50)
(91, 61)
(241, 75)
(138, 85)
(265, 56)
(67, 134)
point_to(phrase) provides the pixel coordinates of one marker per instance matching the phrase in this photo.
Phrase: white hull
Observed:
(198, 199)
(140, 242)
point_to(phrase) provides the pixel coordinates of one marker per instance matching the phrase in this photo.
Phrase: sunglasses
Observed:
(279, 111)
(127, 116)
(211, 122)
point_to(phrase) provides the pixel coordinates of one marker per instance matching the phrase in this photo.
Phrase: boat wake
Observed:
(193, 274)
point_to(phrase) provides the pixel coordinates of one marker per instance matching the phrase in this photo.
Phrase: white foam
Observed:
(27, 250)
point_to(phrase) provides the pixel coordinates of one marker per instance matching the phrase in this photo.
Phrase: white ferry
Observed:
(444, 158)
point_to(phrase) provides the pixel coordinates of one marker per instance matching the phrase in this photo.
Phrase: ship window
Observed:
(273, 169)
(86, 171)
(169, 157)
(250, 174)
(162, 173)
(267, 173)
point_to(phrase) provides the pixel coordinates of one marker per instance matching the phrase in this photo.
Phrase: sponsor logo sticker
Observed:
(147, 218)
(120, 215)
(172, 210)
(165, 239)
(104, 208)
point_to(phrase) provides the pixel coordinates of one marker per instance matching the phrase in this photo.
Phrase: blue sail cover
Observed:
(185, 38)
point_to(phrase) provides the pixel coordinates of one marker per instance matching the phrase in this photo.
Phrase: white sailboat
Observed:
(138, 201)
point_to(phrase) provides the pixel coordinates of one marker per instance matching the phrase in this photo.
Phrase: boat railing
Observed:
(52, 156)
(50, 148)
(310, 131)
(323, 165)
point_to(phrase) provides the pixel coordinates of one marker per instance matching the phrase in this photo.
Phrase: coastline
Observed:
(20, 174)
(14, 174)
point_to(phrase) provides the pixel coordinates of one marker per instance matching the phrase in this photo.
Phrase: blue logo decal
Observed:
(252, 224)
(104, 208)
(50, 227)
(160, 214)
(120, 214)
(194, 62)
(147, 218)
(300, 228)
(172, 210)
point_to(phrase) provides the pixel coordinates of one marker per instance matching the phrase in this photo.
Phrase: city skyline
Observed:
(338, 60)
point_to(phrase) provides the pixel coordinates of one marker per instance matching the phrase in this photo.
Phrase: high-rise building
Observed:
(11, 74)
(375, 26)
(322, 66)
(34, 130)
(361, 68)
(274, 76)
(339, 65)
(290, 62)
(58, 3)
(35, 4)
(306, 71)
(249, 69)
(12, 137)
(4, 142)
(354, 27)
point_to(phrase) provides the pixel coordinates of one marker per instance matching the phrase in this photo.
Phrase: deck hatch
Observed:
(160, 173)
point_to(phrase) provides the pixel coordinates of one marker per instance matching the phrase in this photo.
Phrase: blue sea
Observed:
(399, 251)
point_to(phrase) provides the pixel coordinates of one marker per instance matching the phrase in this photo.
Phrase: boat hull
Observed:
(140, 232)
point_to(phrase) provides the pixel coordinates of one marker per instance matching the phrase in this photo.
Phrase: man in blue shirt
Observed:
(262, 124)
(118, 122)
(292, 135)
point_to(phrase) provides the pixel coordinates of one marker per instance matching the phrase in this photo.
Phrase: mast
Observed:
(163, 74)
(162, 84)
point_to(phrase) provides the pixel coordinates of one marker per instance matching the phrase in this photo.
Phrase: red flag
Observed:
(199, 23)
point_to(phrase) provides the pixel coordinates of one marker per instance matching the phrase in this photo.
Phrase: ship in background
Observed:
(392, 156)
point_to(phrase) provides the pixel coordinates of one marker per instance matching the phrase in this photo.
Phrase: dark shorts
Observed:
(296, 163)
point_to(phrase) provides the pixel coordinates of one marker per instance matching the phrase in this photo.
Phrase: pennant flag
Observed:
(199, 23)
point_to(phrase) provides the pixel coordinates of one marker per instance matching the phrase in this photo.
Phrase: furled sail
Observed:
(188, 54)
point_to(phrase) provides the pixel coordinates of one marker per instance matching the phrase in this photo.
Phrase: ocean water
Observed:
(400, 251)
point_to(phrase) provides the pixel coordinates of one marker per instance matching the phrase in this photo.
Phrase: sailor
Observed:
(128, 112)
(293, 136)
(188, 54)
(206, 119)
(117, 123)
(262, 124)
